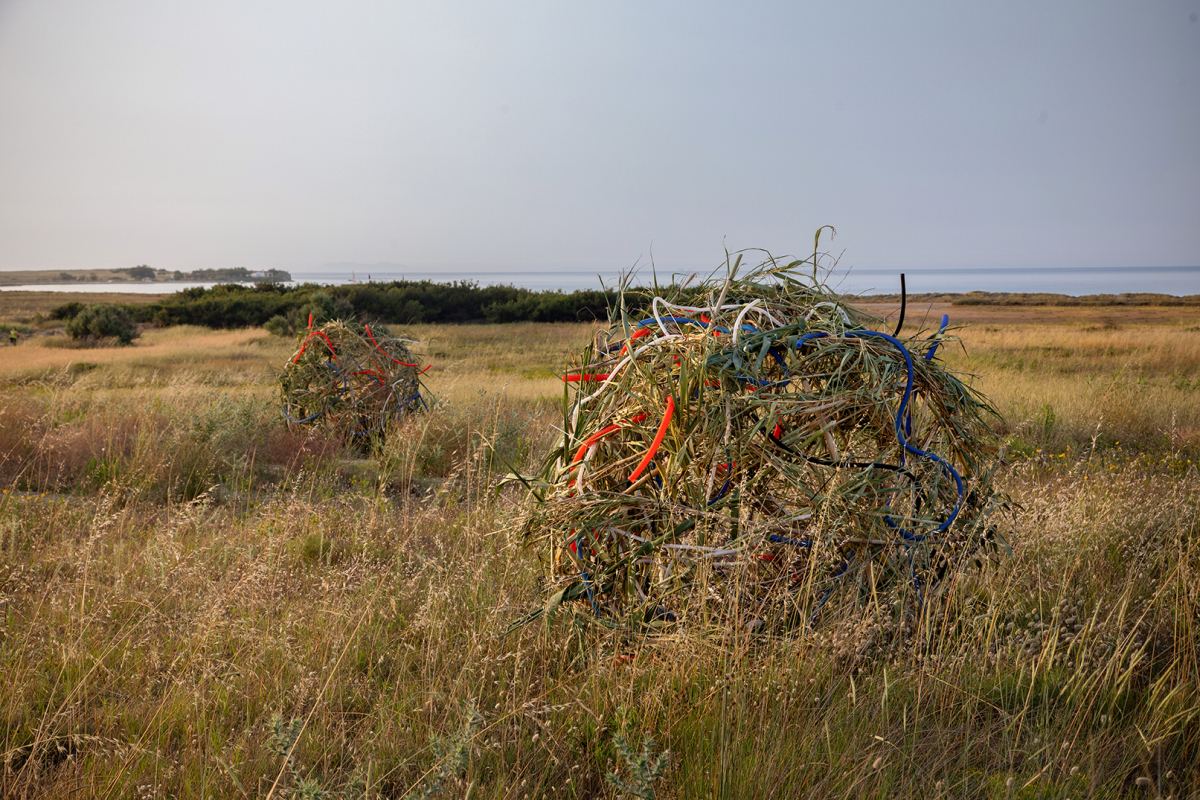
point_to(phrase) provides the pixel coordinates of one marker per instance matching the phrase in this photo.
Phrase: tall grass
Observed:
(1067, 384)
(310, 620)
(149, 646)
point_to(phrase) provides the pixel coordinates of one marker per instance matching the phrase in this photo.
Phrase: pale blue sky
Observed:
(587, 135)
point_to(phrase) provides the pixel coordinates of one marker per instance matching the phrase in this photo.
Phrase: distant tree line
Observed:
(144, 272)
(285, 309)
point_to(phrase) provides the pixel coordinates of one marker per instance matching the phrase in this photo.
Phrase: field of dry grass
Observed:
(198, 602)
(20, 308)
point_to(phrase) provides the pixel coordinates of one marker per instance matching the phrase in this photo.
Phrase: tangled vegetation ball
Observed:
(754, 446)
(350, 376)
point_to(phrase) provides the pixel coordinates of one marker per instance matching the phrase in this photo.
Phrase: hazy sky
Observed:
(532, 135)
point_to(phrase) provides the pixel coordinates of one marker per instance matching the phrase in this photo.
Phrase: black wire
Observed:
(826, 463)
(903, 304)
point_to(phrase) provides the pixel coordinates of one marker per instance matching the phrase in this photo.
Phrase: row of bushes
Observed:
(286, 308)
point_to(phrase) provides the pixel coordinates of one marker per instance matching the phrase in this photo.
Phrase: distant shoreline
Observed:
(137, 292)
(134, 276)
(1002, 282)
(1033, 299)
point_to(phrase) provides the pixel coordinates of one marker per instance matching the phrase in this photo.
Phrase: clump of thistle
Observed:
(282, 742)
(641, 768)
(451, 755)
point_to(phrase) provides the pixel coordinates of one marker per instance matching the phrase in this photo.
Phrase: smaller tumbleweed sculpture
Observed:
(354, 377)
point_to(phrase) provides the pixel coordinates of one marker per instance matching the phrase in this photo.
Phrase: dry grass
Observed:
(149, 640)
(1061, 385)
(22, 307)
(160, 355)
(521, 360)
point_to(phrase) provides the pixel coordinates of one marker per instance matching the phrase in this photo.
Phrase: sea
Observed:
(1180, 280)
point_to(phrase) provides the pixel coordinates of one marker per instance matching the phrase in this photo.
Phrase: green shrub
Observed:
(103, 322)
(67, 310)
(278, 325)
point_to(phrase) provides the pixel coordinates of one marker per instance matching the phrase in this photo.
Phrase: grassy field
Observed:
(198, 602)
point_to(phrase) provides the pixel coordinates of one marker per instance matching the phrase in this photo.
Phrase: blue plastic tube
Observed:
(900, 420)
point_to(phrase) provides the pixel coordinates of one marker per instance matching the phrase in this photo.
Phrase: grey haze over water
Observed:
(1181, 280)
(1062, 280)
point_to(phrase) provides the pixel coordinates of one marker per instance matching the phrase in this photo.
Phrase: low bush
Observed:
(279, 325)
(99, 322)
(67, 311)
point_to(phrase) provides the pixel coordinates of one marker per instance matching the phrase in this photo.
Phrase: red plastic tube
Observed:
(704, 318)
(639, 333)
(572, 544)
(591, 440)
(586, 377)
(662, 431)
(598, 435)
(380, 349)
(304, 346)
(378, 375)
